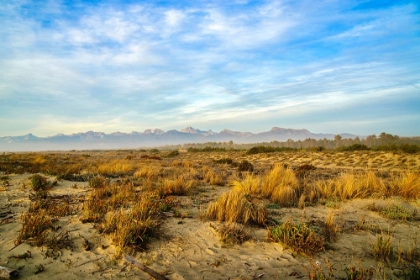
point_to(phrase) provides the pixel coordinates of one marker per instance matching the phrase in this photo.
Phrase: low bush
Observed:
(298, 236)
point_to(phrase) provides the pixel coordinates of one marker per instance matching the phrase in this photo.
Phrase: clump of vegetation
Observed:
(177, 185)
(331, 229)
(233, 233)
(245, 166)
(396, 212)
(236, 206)
(134, 227)
(382, 248)
(316, 272)
(40, 183)
(224, 161)
(172, 154)
(406, 185)
(266, 149)
(35, 226)
(281, 186)
(298, 236)
(354, 147)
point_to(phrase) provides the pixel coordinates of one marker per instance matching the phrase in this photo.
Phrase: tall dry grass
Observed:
(235, 206)
(405, 184)
(281, 186)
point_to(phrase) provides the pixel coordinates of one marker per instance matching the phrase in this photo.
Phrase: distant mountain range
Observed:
(152, 138)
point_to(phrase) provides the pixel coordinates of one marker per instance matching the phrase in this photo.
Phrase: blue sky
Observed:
(327, 66)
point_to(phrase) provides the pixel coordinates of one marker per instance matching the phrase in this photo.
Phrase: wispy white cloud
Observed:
(108, 66)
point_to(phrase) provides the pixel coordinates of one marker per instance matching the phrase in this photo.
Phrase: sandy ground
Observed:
(189, 248)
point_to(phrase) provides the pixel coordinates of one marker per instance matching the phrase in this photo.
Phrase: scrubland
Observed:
(211, 215)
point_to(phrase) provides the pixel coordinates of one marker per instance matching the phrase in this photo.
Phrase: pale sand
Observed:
(189, 248)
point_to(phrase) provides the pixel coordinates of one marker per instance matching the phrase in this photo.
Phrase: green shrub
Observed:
(298, 236)
(40, 183)
(245, 166)
(172, 154)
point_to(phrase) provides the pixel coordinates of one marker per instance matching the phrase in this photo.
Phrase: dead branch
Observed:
(149, 271)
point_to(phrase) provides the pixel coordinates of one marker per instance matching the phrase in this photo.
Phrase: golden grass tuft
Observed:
(281, 186)
(406, 185)
(331, 229)
(235, 206)
(178, 185)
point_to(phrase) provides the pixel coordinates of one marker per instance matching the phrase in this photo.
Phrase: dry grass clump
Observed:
(148, 171)
(406, 185)
(331, 229)
(35, 226)
(250, 185)
(281, 186)
(233, 233)
(116, 168)
(298, 236)
(213, 177)
(236, 206)
(178, 185)
(134, 227)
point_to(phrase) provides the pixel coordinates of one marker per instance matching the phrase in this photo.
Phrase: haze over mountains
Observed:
(152, 138)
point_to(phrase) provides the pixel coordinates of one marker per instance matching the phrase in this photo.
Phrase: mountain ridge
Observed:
(153, 138)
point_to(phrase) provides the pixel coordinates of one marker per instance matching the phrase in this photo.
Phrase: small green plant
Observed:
(298, 236)
(396, 212)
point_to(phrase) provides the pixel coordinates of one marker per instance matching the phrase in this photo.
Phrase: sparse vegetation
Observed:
(131, 198)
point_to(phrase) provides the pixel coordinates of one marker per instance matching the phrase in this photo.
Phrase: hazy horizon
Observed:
(108, 66)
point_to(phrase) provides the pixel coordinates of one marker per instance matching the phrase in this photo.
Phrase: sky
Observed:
(330, 66)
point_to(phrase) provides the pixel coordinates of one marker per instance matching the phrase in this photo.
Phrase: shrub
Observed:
(224, 161)
(265, 149)
(355, 147)
(298, 236)
(245, 166)
(172, 154)
(40, 183)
